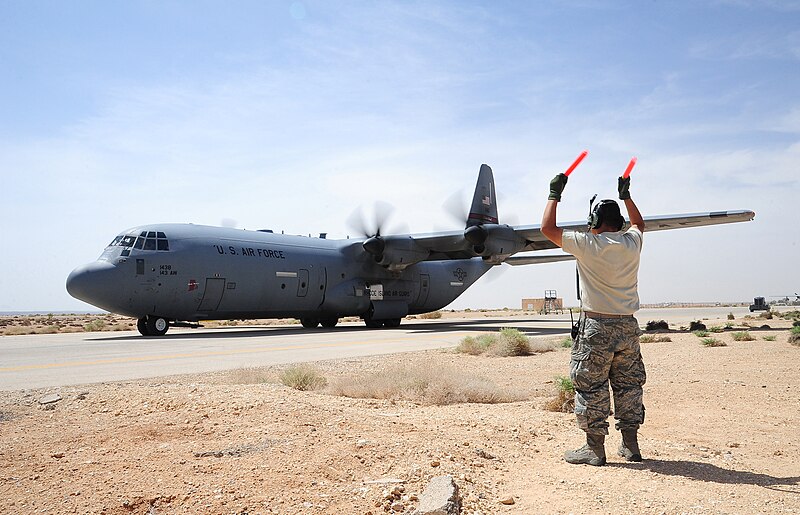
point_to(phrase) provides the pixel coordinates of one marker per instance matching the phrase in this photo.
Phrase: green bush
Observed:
(565, 396)
(303, 378)
(794, 336)
(700, 334)
(742, 336)
(715, 329)
(769, 338)
(566, 342)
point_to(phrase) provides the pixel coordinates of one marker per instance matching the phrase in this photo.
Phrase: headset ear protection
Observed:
(596, 212)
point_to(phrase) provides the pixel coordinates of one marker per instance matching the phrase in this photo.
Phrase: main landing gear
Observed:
(375, 324)
(153, 326)
(310, 323)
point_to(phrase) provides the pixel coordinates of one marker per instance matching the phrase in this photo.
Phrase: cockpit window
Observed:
(147, 240)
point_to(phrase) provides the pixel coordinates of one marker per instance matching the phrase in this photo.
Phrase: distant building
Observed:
(538, 305)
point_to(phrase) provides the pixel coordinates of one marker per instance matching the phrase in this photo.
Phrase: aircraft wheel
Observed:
(157, 326)
(141, 325)
(392, 322)
(329, 322)
(373, 324)
(309, 323)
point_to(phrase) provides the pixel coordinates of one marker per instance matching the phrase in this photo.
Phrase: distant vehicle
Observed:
(759, 304)
(178, 274)
(784, 300)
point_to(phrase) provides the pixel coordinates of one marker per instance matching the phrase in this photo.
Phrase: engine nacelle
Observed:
(401, 252)
(501, 241)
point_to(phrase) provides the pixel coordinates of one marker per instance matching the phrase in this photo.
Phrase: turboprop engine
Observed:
(395, 252)
(494, 241)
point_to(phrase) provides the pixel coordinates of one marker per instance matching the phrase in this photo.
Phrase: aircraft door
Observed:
(212, 295)
(302, 282)
(424, 289)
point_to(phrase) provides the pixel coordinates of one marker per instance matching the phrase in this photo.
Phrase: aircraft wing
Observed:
(453, 245)
(537, 241)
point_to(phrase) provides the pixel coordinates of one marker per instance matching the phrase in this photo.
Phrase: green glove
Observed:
(557, 186)
(624, 186)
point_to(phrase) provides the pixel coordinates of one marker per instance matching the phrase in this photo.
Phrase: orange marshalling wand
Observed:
(576, 163)
(629, 168)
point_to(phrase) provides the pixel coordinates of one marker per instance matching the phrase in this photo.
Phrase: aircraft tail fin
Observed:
(484, 204)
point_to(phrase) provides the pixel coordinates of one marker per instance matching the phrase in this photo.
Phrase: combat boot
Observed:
(593, 453)
(629, 448)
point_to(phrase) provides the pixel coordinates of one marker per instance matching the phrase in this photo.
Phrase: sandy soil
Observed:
(720, 437)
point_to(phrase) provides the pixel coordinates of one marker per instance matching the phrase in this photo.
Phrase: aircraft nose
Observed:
(92, 283)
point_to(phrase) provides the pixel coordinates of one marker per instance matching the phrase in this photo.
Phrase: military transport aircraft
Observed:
(178, 274)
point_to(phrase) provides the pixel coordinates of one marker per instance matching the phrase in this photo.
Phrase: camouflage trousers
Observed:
(605, 352)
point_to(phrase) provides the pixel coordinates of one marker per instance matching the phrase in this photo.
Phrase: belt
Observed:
(594, 314)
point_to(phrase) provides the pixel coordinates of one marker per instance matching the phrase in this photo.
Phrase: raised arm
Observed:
(634, 215)
(549, 228)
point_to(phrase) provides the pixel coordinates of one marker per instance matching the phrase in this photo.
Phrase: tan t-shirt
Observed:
(608, 264)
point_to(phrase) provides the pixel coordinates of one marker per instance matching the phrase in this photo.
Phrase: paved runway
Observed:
(34, 361)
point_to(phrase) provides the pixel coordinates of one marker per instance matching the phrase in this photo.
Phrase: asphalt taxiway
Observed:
(36, 361)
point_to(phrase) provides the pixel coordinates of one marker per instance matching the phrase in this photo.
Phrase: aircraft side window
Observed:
(151, 234)
(127, 241)
(115, 242)
(139, 243)
(161, 236)
(150, 244)
(162, 244)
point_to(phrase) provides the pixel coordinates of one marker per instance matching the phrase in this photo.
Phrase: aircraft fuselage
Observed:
(184, 272)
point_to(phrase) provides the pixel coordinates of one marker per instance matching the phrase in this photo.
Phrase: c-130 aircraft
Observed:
(179, 274)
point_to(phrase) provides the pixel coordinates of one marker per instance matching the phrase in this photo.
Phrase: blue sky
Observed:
(288, 115)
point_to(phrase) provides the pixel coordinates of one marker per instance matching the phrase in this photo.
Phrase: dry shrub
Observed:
(95, 325)
(651, 338)
(433, 315)
(48, 329)
(249, 375)
(742, 336)
(538, 346)
(564, 401)
(303, 378)
(512, 342)
(713, 342)
(770, 338)
(423, 384)
(476, 346)
(17, 330)
(509, 342)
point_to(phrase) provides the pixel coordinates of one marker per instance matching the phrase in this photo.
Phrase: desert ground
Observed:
(720, 436)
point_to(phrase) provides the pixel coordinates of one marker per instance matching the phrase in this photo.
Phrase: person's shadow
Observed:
(711, 473)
